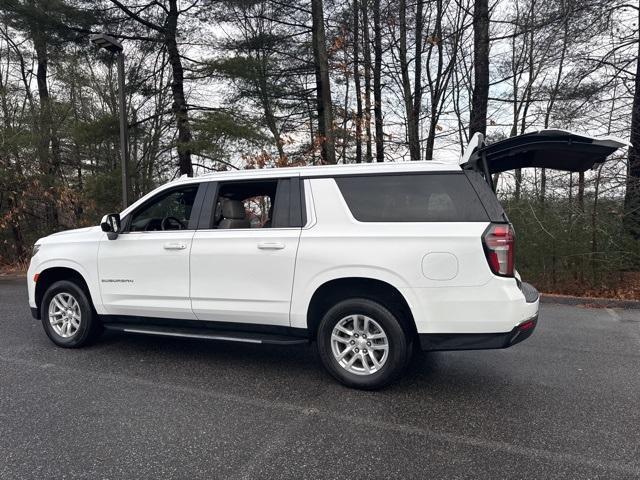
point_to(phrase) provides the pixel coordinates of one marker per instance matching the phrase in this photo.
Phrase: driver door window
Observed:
(170, 211)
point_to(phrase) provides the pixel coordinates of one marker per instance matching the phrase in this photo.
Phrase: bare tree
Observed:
(168, 32)
(367, 79)
(632, 195)
(377, 80)
(323, 86)
(356, 79)
(479, 101)
(408, 93)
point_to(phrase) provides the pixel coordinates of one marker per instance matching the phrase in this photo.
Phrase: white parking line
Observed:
(613, 314)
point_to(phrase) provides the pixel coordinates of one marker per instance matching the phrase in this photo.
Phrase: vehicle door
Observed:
(145, 270)
(243, 260)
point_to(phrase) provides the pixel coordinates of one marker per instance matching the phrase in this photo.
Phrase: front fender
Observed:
(89, 277)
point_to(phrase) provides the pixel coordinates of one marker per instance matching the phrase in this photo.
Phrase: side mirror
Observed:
(111, 224)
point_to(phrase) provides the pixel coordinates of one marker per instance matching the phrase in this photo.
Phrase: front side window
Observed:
(414, 197)
(170, 210)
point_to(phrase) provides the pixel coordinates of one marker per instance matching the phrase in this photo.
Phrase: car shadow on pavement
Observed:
(295, 362)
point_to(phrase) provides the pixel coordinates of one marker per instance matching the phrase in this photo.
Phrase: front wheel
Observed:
(67, 315)
(362, 344)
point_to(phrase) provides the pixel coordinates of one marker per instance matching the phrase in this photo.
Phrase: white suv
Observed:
(369, 260)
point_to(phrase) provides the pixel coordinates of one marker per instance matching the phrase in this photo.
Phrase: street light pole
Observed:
(112, 45)
(124, 134)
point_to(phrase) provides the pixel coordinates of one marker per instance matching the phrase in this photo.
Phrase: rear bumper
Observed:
(478, 341)
(485, 341)
(494, 307)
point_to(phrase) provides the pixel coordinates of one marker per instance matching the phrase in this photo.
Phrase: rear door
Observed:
(552, 149)
(243, 258)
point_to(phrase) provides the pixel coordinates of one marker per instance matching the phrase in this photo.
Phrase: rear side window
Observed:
(412, 198)
(486, 195)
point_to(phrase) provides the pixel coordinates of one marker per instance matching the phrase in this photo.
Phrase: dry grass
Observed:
(620, 286)
(14, 269)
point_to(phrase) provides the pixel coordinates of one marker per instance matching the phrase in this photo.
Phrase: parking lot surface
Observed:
(563, 404)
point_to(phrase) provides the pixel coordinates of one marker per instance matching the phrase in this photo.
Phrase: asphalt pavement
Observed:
(563, 404)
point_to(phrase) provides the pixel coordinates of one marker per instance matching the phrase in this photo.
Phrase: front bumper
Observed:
(485, 341)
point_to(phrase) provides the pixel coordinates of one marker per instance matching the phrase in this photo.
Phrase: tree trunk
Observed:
(581, 191)
(367, 79)
(260, 84)
(632, 195)
(345, 119)
(526, 102)
(18, 241)
(179, 106)
(377, 86)
(552, 98)
(594, 224)
(417, 72)
(431, 139)
(312, 133)
(16, 230)
(480, 96)
(356, 79)
(323, 87)
(48, 145)
(270, 121)
(439, 82)
(73, 100)
(407, 94)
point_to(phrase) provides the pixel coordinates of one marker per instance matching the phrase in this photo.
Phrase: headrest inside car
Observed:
(233, 209)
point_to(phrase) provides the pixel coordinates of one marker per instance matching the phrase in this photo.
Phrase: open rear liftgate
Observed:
(550, 149)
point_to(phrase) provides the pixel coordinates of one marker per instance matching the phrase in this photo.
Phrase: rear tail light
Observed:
(499, 241)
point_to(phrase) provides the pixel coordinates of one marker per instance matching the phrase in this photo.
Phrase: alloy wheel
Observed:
(359, 344)
(64, 315)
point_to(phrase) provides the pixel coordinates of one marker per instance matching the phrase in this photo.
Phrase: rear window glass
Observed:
(486, 196)
(412, 198)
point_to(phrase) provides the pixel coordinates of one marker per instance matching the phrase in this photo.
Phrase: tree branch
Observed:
(137, 18)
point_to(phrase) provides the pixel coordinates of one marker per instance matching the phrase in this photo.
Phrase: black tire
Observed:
(90, 327)
(398, 344)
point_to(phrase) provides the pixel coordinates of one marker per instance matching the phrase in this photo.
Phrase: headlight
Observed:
(36, 248)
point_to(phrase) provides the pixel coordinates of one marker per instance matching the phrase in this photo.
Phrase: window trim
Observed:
(384, 174)
(195, 210)
(297, 186)
(205, 221)
(308, 203)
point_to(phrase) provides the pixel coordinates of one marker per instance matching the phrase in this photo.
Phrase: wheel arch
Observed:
(332, 291)
(50, 275)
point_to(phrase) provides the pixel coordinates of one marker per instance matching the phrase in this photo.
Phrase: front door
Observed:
(145, 270)
(242, 262)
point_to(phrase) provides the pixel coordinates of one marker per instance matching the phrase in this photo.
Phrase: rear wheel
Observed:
(362, 344)
(68, 317)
